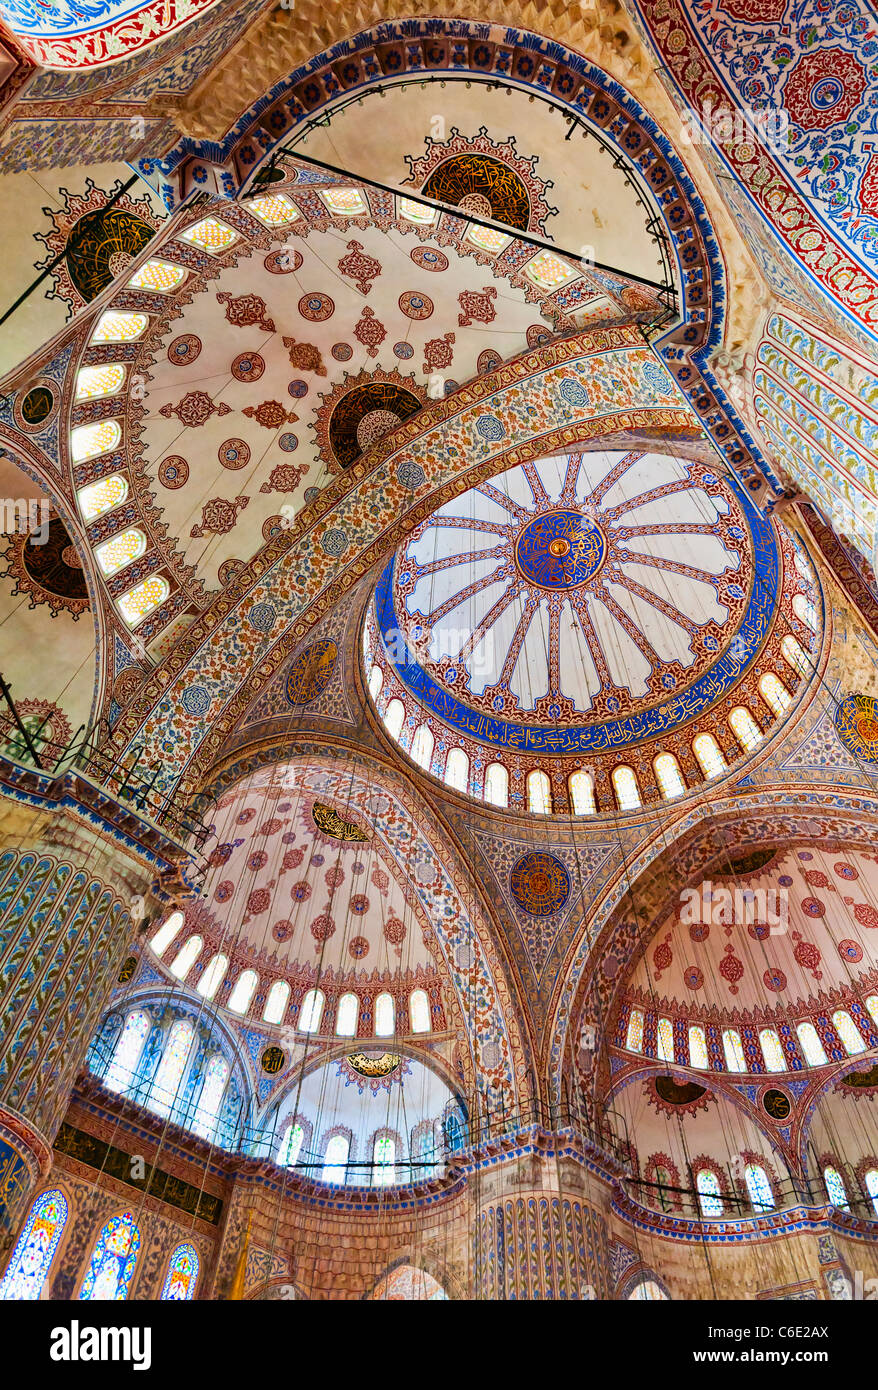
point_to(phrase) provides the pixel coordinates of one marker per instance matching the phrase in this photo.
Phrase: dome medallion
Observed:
(560, 550)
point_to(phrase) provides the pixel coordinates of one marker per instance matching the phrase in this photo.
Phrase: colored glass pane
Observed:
(210, 235)
(385, 1020)
(419, 1011)
(668, 776)
(30, 1260)
(101, 497)
(99, 381)
(142, 599)
(634, 1039)
(345, 202)
(180, 1280)
(708, 1187)
(115, 554)
(710, 759)
(113, 1260)
(163, 1092)
(126, 1055)
(158, 275)
(745, 728)
(118, 327)
(88, 441)
(549, 271)
(276, 209)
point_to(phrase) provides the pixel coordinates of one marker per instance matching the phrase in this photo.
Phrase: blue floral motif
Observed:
(573, 392)
(490, 428)
(196, 700)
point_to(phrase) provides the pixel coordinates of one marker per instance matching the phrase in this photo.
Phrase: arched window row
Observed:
(788, 1047)
(111, 1263)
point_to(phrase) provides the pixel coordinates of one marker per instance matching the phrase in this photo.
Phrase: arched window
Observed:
(383, 1162)
(88, 441)
(795, 656)
(112, 1261)
(805, 610)
(335, 1160)
(772, 1050)
(758, 1188)
(848, 1032)
(419, 1011)
(34, 1250)
(457, 770)
(422, 746)
(158, 275)
(665, 1040)
(311, 1011)
(291, 1145)
(626, 789)
(835, 1189)
(186, 957)
(668, 775)
(126, 1054)
(497, 785)
(276, 1003)
(210, 234)
(735, 1059)
(385, 1020)
(634, 1040)
(207, 1111)
(872, 1006)
(346, 1016)
(115, 554)
(115, 326)
(376, 680)
(708, 1187)
(102, 496)
(105, 380)
(709, 755)
(774, 693)
(539, 793)
(394, 717)
(581, 790)
(212, 976)
(811, 1045)
(647, 1290)
(244, 989)
(697, 1048)
(871, 1182)
(166, 1083)
(745, 728)
(182, 1275)
(143, 598)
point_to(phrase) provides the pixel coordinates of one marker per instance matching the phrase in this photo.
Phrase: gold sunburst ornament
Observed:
(327, 819)
(374, 1066)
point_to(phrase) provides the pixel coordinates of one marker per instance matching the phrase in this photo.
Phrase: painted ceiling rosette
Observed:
(581, 602)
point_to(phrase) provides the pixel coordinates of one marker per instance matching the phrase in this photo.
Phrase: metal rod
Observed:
(7, 695)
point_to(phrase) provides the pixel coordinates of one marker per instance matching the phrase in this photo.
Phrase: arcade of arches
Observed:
(438, 642)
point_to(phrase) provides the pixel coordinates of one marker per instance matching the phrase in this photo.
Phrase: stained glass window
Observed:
(872, 1006)
(385, 1019)
(487, 239)
(276, 1003)
(182, 1275)
(166, 1082)
(669, 776)
(417, 212)
(212, 976)
(344, 202)
(87, 441)
(625, 787)
(795, 655)
(811, 1045)
(393, 719)
(745, 728)
(549, 271)
(848, 1032)
(101, 497)
(115, 554)
(758, 1188)
(835, 1188)
(665, 1040)
(735, 1059)
(311, 1011)
(376, 680)
(143, 599)
(634, 1039)
(291, 1145)
(336, 1158)
(710, 758)
(539, 793)
(581, 789)
(457, 770)
(772, 1050)
(210, 235)
(497, 785)
(30, 1260)
(346, 1016)
(99, 381)
(805, 610)
(126, 1054)
(186, 957)
(422, 745)
(419, 1011)
(207, 1111)
(697, 1048)
(384, 1162)
(244, 989)
(708, 1187)
(158, 275)
(871, 1181)
(166, 933)
(276, 209)
(113, 1260)
(775, 693)
(115, 326)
